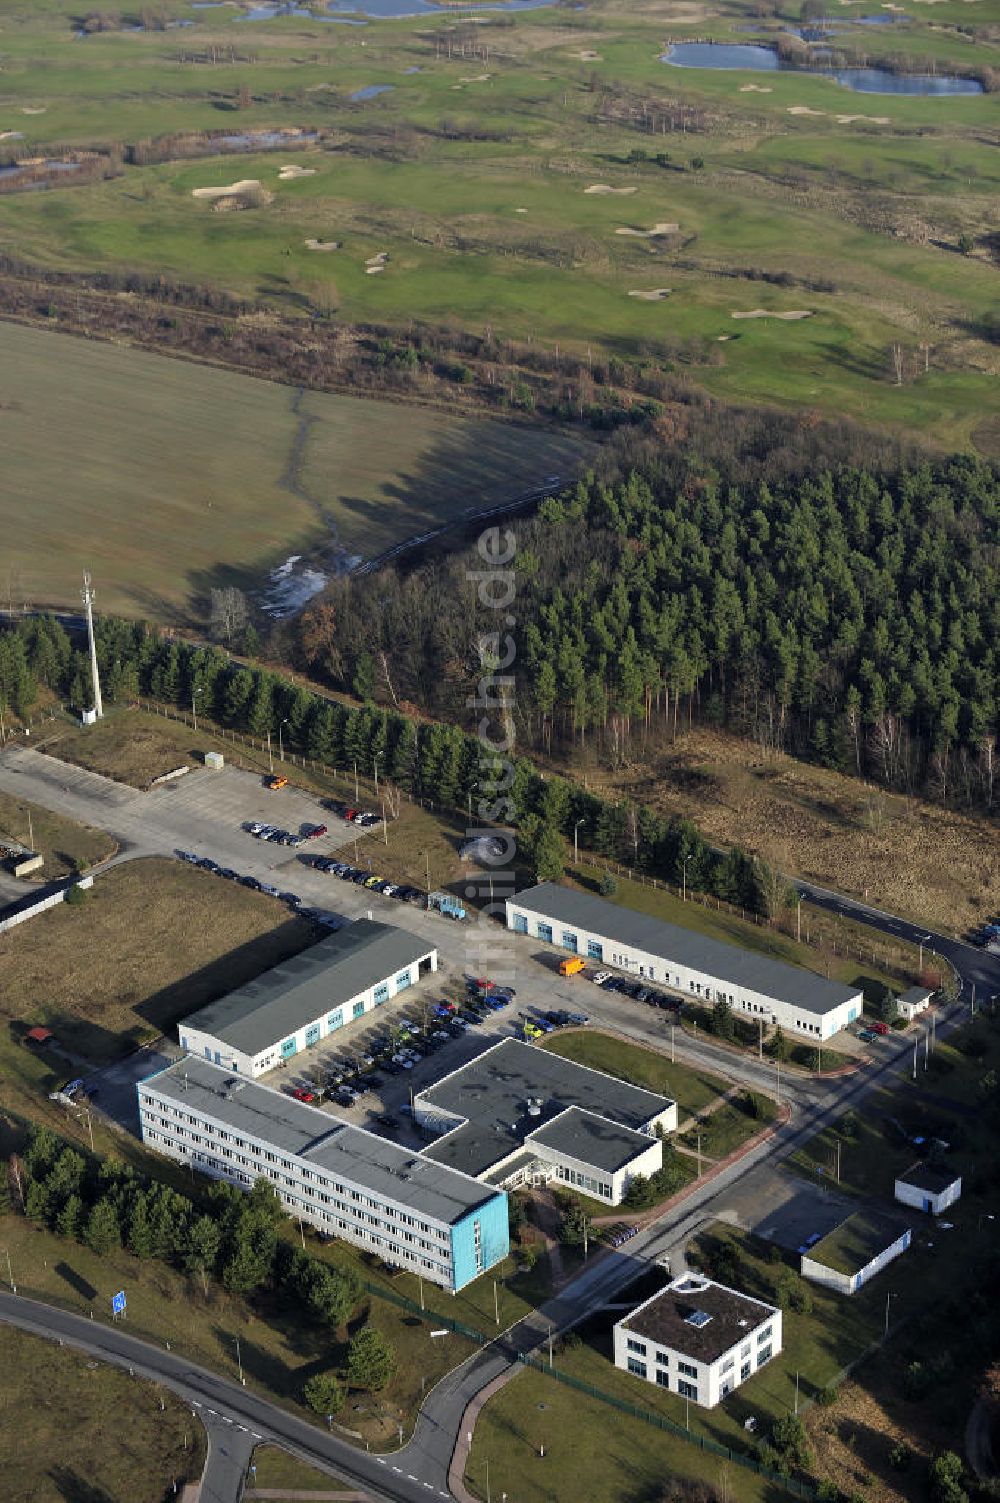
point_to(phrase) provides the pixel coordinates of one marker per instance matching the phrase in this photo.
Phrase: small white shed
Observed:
(916, 1000)
(928, 1189)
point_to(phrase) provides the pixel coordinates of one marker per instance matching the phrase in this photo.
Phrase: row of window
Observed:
(584, 1182)
(357, 1228)
(280, 1170)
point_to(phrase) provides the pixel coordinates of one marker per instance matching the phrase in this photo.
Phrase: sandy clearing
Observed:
(322, 245)
(478, 78)
(804, 109)
(788, 315)
(588, 57)
(870, 119)
(654, 295)
(38, 109)
(755, 88)
(245, 185)
(291, 171)
(604, 188)
(662, 228)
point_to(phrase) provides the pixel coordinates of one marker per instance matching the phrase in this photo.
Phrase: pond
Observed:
(264, 140)
(753, 58)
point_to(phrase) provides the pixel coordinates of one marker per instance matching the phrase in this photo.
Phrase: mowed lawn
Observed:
(153, 941)
(71, 1428)
(165, 477)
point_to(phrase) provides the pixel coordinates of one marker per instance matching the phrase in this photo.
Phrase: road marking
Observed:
(429, 1485)
(410, 1477)
(255, 1435)
(380, 1460)
(398, 1469)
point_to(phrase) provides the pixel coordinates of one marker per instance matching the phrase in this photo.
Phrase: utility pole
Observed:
(194, 707)
(914, 1059)
(684, 877)
(672, 1060)
(798, 920)
(760, 1041)
(699, 1155)
(87, 596)
(270, 759)
(10, 1273)
(427, 869)
(838, 1160)
(281, 744)
(924, 939)
(357, 791)
(31, 833)
(550, 1343)
(496, 1302)
(239, 1363)
(375, 765)
(796, 1392)
(576, 843)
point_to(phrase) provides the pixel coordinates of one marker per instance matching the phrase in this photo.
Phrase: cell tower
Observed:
(87, 596)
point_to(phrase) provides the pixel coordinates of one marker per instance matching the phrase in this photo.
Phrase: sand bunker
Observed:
(658, 229)
(769, 313)
(322, 245)
(870, 119)
(607, 188)
(755, 88)
(655, 295)
(292, 171)
(245, 185)
(803, 109)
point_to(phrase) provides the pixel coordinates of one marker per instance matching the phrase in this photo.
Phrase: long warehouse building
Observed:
(306, 998)
(684, 960)
(349, 1183)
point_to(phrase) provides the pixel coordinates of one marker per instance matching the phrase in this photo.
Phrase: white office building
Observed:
(349, 1183)
(520, 1115)
(698, 1339)
(684, 960)
(288, 1009)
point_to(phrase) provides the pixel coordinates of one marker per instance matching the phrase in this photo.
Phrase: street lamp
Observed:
(576, 845)
(375, 761)
(889, 1296)
(239, 1363)
(31, 834)
(195, 696)
(684, 875)
(10, 1273)
(281, 745)
(924, 939)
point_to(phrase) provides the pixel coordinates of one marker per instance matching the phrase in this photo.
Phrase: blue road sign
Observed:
(118, 1303)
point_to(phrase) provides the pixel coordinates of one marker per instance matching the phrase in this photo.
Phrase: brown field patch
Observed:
(936, 865)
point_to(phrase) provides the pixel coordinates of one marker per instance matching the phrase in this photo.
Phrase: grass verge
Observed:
(65, 845)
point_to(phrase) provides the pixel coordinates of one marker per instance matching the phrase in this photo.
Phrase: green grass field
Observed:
(166, 477)
(58, 1441)
(471, 174)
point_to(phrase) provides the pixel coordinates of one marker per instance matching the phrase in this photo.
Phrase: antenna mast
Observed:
(87, 596)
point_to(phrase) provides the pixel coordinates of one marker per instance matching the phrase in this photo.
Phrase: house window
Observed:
(568, 940)
(663, 1377)
(520, 923)
(595, 949)
(545, 932)
(636, 1346)
(687, 1390)
(637, 1367)
(764, 1355)
(744, 1372)
(687, 1369)
(764, 1335)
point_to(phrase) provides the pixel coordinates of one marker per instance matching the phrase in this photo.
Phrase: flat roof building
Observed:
(518, 1114)
(915, 1000)
(698, 1339)
(308, 997)
(928, 1189)
(412, 1212)
(862, 1245)
(683, 959)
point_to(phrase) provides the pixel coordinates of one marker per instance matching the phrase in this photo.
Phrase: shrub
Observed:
(76, 896)
(371, 1361)
(324, 1393)
(609, 886)
(900, 1456)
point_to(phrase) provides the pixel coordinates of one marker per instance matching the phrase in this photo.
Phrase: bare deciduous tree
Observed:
(229, 613)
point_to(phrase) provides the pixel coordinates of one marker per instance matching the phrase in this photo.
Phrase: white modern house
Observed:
(348, 1183)
(684, 960)
(288, 1009)
(697, 1338)
(856, 1250)
(520, 1115)
(913, 1002)
(928, 1189)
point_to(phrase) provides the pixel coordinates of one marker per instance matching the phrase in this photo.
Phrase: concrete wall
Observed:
(657, 968)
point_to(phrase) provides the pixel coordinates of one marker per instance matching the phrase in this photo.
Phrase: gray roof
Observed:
(665, 1318)
(315, 1136)
(592, 1139)
(491, 1093)
(309, 985)
(713, 957)
(924, 1176)
(916, 994)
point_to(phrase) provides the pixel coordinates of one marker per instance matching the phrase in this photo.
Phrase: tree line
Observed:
(848, 615)
(434, 761)
(229, 1235)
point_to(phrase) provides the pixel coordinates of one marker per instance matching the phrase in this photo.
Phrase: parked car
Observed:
(269, 889)
(276, 781)
(880, 1028)
(315, 831)
(301, 1094)
(579, 1019)
(599, 977)
(867, 1036)
(250, 882)
(385, 1120)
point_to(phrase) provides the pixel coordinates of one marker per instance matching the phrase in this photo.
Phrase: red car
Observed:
(315, 832)
(350, 813)
(301, 1094)
(880, 1028)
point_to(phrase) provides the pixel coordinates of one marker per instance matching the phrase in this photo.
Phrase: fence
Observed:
(797, 1486)
(34, 902)
(404, 1302)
